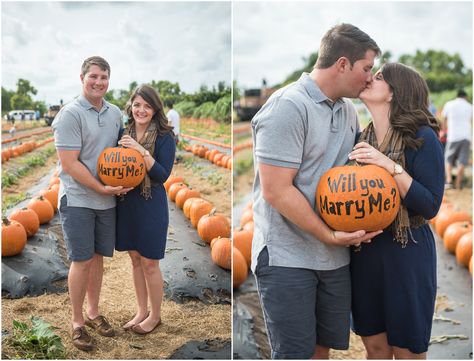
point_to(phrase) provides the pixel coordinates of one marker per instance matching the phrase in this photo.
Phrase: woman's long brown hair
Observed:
(409, 105)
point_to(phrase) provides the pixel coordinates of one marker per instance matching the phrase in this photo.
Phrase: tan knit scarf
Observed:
(393, 147)
(147, 142)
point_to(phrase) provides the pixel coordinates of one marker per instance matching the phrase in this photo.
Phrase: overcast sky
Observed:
(46, 42)
(270, 38)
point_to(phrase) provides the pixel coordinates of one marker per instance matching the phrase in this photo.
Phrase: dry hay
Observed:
(181, 322)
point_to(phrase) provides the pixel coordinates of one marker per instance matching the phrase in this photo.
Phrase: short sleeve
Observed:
(67, 131)
(279, 134)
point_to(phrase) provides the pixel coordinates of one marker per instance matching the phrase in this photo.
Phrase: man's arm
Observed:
(71, 165)
(278, 190)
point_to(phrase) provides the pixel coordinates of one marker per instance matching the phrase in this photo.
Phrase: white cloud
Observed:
(271, 38)
(46, 42)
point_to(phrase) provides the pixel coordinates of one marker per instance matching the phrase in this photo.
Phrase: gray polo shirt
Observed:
(298, 127)
(79, 126)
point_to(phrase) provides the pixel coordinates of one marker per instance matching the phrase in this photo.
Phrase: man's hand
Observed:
(352, 238)
(118, 191)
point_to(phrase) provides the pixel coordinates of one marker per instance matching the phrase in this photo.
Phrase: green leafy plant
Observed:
(36, 343)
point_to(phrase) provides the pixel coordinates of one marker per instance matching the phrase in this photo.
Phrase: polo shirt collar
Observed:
(87, 104)
(314, 91)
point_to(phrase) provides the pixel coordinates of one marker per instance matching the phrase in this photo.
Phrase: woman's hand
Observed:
(365, 153)
(128, 142)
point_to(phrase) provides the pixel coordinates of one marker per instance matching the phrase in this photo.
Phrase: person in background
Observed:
(142, 214)
(82, 129)
(457, 121)
(174, 120)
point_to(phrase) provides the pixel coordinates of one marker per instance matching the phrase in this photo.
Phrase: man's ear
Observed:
(342, 64)
(82, 77)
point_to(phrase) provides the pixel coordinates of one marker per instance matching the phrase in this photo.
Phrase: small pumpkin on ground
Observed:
(43, 209)
(172, 179)
(27, 218)
(174, 189)
(448, 216)
(239, 268)
(464, 249)
(184, 194)
(13, 238)
(242, 239)
(52, 196)
(213, 225)
(221, 253)
(198, 210)
(453, 233)
(187, 206)
(247, 216)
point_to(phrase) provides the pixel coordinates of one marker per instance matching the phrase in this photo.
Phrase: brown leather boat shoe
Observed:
(81, 339)
(101, 325)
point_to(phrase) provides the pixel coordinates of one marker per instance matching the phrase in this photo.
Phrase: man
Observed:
(457, 117)
(301, 266)
(174, 119)
(82, 130)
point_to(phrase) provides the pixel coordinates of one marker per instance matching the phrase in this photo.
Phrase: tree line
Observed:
(214, 102)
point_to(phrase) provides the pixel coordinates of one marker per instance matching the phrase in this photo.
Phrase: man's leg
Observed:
(288, 297)
(459, 176)
(77, 283)
(320, 353)
(94, 285)
(377, 347)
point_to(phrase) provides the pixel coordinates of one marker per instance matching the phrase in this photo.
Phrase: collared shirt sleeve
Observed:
(279, 134)
(67, 131)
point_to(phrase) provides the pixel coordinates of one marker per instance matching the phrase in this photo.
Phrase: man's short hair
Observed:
(94, 60)
(344, 40)
(462, 93)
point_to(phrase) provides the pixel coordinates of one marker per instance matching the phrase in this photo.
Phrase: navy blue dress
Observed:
(394, 288)
(142, 225)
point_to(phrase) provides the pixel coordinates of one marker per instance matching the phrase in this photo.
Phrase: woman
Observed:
(394, 277)
(142, 214)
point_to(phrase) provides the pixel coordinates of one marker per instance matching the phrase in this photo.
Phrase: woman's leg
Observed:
(377, 347)
(140, 289)
(154, 284)
(405, 354)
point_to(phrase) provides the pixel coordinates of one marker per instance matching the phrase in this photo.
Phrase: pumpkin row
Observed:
(213, 155)
(25, 222)
(213, 228)
(455, 229)
(21, 149)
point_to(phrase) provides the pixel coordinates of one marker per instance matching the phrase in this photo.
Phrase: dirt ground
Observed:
(181, 322)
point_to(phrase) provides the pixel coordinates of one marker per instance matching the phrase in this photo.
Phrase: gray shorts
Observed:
(303, 307)
(87, 231)
(457, 151)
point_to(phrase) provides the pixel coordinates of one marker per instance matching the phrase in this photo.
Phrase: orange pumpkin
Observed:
(202, 152)
(119, 166)
(54, 180)
(464, 249)
(213, 225)
(247, 216)
(27, 218)
(217, 158)
(52, 196)
(242, 239)
(171, 180)
(249, 226)
(174, 189)
(187, 206)
(355, 198)
(43, 209)
(239, 268)
(470, 266)
(453, 233)
(213, 242)
(444, 206)
(198, 210)
(448, 216)
(13, 238)
(184, 194)
(212, 154)
(221, 253)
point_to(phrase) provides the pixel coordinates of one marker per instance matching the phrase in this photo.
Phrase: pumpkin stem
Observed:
(213, 212)
(6, 221)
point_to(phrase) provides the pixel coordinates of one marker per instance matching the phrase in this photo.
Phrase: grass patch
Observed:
(242, 165)
(38, 342)
(9, 201)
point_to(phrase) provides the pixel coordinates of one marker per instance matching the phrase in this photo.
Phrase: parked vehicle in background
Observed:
(20, 115)
(51, 113)
(251, 102)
